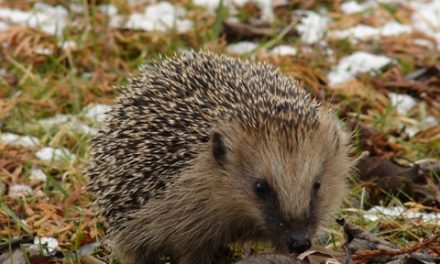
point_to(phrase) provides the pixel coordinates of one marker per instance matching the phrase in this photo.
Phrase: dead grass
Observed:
(34, 86)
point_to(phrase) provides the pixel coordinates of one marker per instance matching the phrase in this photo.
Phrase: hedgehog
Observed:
(201, 150)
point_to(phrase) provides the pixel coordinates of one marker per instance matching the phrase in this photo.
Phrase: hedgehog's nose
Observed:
(298, 244)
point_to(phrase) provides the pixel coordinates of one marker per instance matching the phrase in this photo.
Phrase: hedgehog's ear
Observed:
(218, 147)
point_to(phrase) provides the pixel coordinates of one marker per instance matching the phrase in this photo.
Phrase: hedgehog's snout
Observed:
(298, 244)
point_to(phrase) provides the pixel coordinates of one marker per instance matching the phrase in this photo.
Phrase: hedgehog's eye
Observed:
(316, 185)
(218, 148)
(262, 188)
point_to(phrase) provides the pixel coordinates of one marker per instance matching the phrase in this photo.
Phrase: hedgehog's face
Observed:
(295, 187)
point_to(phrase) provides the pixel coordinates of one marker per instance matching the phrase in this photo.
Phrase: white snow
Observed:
(402, 102)
(49, 19)
(96, 112)
(393, 28)
(357, 32)
(312, 26)
(411, 130)
(211, 5)
(17, 140)
(37, 175)
(284, 50)
(108, 9)
(363, 32)
(3, 25)
(71, 122)
(55, 120)
(80, 127)
(43, 51)
(241, 47)
(55, 154)
(426, 18)
(68, 44)
(19, 190)
(423, 43)
(266, 8)
(357, 62)
(267, 13)
(353, 7)
(376, 212)
(430, 121)
(162, 16)
(76, 6)
(47, 245)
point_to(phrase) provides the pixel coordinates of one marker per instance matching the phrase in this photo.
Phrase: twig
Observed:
(364, 255)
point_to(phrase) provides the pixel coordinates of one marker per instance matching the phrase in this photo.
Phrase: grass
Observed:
(34, 87)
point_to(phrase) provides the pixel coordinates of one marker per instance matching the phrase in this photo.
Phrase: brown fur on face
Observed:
(214, 202)
(202, 150)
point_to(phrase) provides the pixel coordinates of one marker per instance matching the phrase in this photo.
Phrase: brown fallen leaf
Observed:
(365, 247)
(391, 176)
(240, 30)
(317, 255)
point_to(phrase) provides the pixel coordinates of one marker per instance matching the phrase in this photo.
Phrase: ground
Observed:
(378, 62)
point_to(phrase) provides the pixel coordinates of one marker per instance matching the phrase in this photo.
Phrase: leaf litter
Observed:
(377, 61)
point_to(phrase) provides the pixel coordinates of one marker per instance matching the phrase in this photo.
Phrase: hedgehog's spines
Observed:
(155, 165)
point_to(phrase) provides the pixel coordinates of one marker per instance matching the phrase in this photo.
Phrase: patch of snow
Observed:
(391, 28)
(49, 19)
(353, 7)
(96, 112)
(19, 190)
(108, 9)
(423, 43)
(402, 102)
(56, 120)
(162, 16)
(77, 7)
(426, 18)
(358, 62)
(17, 140)
(266, 6)
(55, 154)
(71, 122)
(312, 26)
(68, 44)
(209, 5)
(411, 130)
(80, 127)
(241, 47)
(3, 25)
(47, 245)
(376, 212)
(43, 51)
(37, 175)
(430, 121)
(284, 50)
(357, 32)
